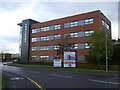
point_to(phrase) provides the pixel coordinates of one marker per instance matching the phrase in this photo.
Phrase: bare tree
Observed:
(64, 46)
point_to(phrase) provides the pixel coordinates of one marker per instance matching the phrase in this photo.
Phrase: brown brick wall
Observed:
(96, 26)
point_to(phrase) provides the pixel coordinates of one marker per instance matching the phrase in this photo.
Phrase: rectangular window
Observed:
(34, 48)
(88, 33)
(57, 26)
(66, 25)
(56, 47)
(86, 45)
(34, 39)
(88, 21)
(80, 34)
(73, 35)
(75, 46)
(34, 30)
(105, 24)
(81, 46)
(33, 57)
(80, 22)
(56, 37)
(108, 27)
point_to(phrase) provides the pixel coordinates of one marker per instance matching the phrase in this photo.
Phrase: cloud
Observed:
(14, 12)
(10, 32)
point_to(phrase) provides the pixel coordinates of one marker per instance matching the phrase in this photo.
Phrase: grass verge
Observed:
(1, 81)
(74, 69)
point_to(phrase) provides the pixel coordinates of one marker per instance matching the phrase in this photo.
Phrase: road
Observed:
(45, 78)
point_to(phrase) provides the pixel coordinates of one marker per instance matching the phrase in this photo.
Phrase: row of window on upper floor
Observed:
(50, 47)
(56, 47)
(66, 25)
(106, 24)
(46, 38)
(51, 57)
(78, 23)
(42, 29)
(56, 37)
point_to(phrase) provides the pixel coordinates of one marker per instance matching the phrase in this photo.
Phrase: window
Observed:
(75, 46)
(33, 48)
(34, 30)
(81, 57)
(81, 46)
(105, 24)
(33, 57)
(56, 47)
(88, 33)
(56, 26)
(66, 25)
(45, 38)
(56, 37)
(81, 22)
(73, 35)
(108, 27)
(86, 45)
(88, 21)
(34, 39)
(80, 34)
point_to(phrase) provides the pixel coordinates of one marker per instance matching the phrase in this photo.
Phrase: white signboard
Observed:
(57, 63)
(69, 59)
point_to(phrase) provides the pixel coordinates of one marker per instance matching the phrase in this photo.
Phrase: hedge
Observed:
(100, 67)
(79, 65)
(34, 63)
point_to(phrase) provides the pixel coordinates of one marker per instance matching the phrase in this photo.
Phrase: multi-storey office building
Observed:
(40, 41)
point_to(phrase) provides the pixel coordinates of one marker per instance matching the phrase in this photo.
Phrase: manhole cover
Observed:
(17, 78)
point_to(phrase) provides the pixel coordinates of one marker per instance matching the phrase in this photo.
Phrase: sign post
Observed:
(57, 63)
(69, 59)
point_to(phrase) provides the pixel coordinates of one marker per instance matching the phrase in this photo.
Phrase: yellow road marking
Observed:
(42, 88)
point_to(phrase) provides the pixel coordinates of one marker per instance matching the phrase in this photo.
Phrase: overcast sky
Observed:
(12, 13)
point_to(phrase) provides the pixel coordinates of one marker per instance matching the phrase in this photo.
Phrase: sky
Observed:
(12, 13)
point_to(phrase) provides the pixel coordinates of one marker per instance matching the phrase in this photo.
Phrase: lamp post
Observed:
(106, 51)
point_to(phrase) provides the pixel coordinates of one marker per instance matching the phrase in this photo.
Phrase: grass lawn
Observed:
(74, 69)
(1, 81)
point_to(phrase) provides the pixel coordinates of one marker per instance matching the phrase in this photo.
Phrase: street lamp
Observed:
(106, 51)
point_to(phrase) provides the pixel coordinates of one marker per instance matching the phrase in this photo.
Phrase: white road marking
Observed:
(104, 81)
(60, 75)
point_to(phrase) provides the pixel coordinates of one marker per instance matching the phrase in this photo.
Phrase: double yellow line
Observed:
(39, 86)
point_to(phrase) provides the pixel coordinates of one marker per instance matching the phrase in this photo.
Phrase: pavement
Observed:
(50, 78)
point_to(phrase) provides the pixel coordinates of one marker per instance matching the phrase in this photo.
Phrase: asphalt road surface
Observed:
(45, 78)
